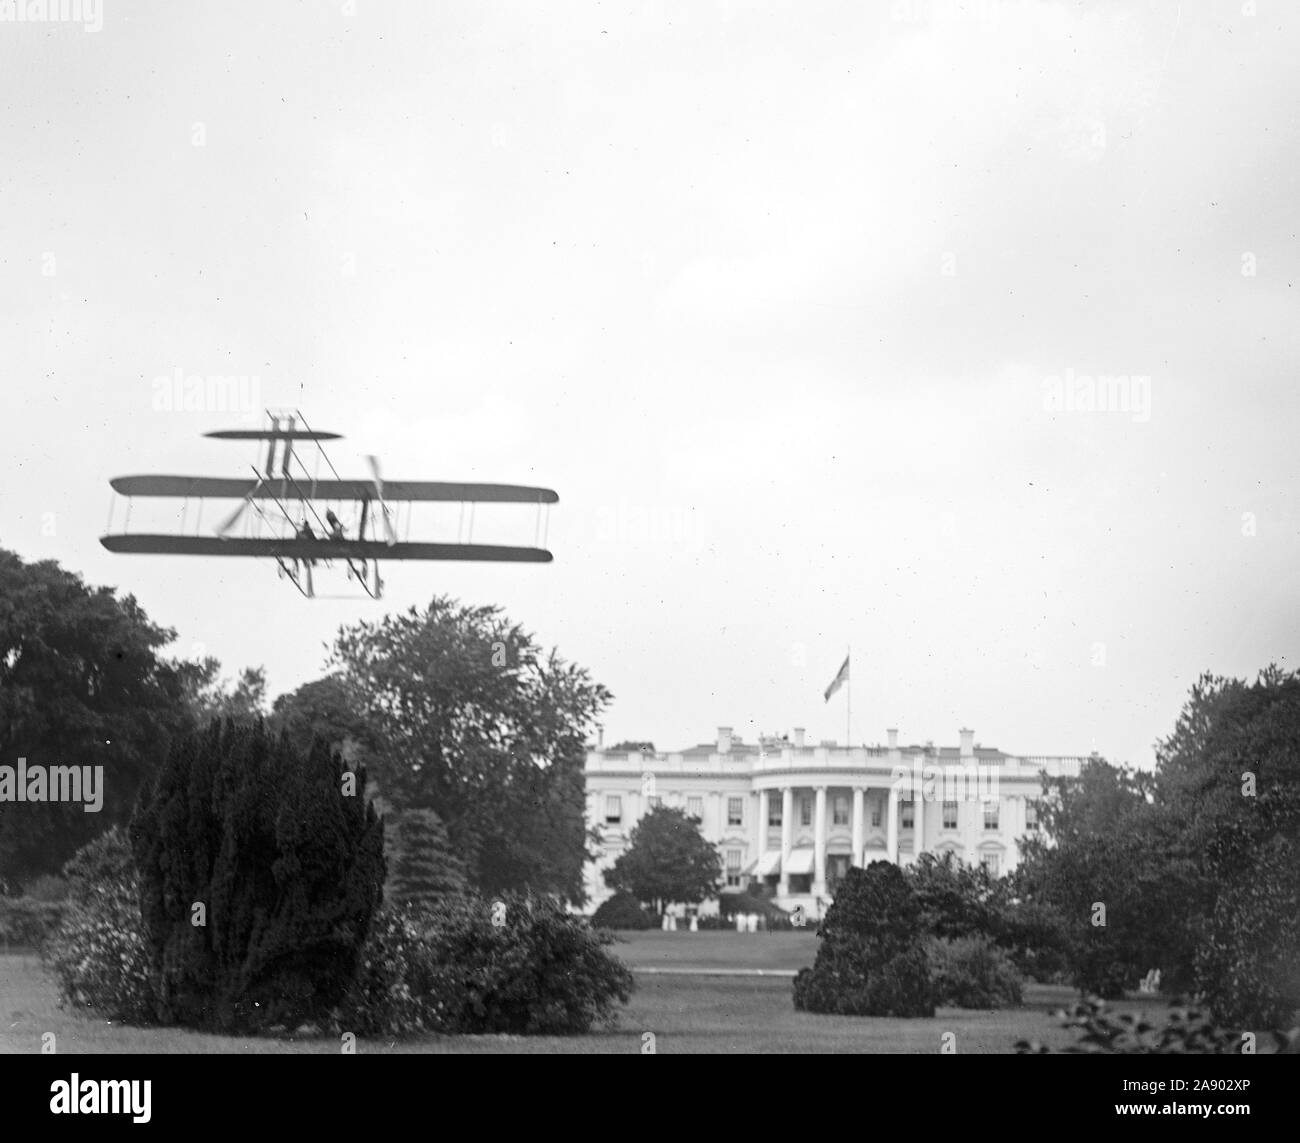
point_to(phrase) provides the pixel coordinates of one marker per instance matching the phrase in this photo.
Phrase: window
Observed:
(735, 811)
(655, 801)
(840, 811)
(990, 815)
(805, 811)
(875, 815)
(991, 863)
(733, 868)
(950, 815)
(695, 807)
(909, 809)
(1031, 814)
(613, 809)
(774, 811)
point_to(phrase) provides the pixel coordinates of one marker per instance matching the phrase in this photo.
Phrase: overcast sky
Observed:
(774, 295)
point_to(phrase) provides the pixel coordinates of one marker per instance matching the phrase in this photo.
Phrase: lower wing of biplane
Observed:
(145, 544)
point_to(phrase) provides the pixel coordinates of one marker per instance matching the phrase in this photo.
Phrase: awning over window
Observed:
(801, 862)
(769, 863)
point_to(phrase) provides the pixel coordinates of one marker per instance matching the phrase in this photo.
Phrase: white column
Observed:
(762, 823)
(891, 826)
(918, 824)
(819, 843)
(787, 826)
(858, 833)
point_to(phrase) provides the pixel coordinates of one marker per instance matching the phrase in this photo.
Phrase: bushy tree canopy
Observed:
(1194, 869)
(667, 861)
(472, 719)
(956, 899)
(208, 695)
(81, 684)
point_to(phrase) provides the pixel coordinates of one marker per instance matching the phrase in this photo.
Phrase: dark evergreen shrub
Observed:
(972, 972)
(623, 911)
(871, 960)
(260, 872)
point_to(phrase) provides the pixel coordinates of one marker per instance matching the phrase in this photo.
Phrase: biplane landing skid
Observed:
(286, 572)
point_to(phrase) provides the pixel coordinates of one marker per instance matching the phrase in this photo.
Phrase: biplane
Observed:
(288, 514)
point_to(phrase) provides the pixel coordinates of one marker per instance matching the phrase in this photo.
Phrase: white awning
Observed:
(801, 861)
(769, 863)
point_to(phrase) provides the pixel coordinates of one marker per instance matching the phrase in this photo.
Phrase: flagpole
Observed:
(848, 700)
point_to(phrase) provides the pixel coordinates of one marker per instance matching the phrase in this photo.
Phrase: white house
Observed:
(796, 816)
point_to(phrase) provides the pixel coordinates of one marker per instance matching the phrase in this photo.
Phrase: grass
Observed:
(718, 950)
(701, 1014)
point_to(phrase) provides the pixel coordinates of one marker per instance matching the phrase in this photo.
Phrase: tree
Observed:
(81, 684)
(667, 861)
(329, 709)
(1104, 865)
(423, 868)
(260, 870)
(209, 696)
(956, 899)
(472, 719)
(1195, 865)
(1228, 782)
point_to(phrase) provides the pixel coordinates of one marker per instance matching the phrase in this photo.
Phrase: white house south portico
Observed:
(794, 818)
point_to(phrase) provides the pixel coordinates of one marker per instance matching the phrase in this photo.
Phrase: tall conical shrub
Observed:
(423, 868)
(260, 871)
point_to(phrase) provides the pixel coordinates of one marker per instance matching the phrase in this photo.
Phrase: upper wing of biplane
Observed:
(272, 435)
(209, 487)
(317, 549)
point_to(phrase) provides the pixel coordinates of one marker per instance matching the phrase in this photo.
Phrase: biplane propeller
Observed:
(282, 502)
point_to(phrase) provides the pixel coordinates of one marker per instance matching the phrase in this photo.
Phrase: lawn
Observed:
(768, 952)
(686, 1013)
